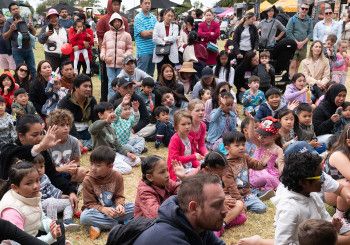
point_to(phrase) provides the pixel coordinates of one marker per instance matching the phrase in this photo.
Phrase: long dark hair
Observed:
(26, 81)
(218, 65)
(148, 165)
(342, 144)
(172, 83)
(9, 76)
(39, 77)
(247, 60)
(216, 94)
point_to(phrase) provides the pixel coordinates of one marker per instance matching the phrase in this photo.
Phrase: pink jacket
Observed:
(176, 151)
(198, 139)
(150, 197)
(205, 34)
(116, 44)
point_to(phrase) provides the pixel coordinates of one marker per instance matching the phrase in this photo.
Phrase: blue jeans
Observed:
(254, 204)
(135, 144)
(93, 217)
(144, 62)
(85, 138)
(112, 73)
(25, 56)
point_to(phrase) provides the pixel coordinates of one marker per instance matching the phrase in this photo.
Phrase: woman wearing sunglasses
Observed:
(22, 76)
(326, 26)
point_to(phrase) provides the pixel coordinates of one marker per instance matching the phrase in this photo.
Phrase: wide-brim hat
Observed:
(51, 12)
(187, 67)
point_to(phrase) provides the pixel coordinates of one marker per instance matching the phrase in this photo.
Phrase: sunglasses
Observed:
(320, 177)
(328, 13)
(304, 9)
(22, 70)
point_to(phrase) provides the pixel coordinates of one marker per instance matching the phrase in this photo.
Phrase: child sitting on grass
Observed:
(125, 120)
(8, 86)
(236, 177)
(103, 134)
(7, 128)
(265, 71)
(298, 90)
(253, 97)
(164, 128)
(344, 112)
(250, 147)
(52, 199)
(22, 106)
(204, 94)
(154, 188)
(272, 106)
(146, 93)
(103, 194)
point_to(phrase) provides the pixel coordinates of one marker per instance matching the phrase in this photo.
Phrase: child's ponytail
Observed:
(147, 166)
(214, 159)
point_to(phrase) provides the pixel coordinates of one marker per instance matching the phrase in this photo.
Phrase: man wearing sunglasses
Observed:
(326, 27)
(299, 29)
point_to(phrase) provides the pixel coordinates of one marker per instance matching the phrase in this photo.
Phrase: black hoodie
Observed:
(175, 229)
(322, 115)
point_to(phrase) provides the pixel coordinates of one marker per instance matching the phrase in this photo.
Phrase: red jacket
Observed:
(204, 33)
(10, 96)
(176, 151)
(150, 197)
(103, 23)
(78, 40)
(198, 139)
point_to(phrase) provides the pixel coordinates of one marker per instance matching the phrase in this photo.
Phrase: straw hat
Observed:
(187, 67)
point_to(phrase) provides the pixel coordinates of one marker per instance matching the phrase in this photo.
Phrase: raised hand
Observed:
(126, 99)
(135, 105)
(50, 139)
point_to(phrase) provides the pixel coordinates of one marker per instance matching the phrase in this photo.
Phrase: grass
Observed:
(261, 224)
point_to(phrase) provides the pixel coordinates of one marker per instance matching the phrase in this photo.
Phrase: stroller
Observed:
(280, 59)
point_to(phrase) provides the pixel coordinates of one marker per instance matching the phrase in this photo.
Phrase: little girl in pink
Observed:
(268, 152)
(199, 128)
(340, 67)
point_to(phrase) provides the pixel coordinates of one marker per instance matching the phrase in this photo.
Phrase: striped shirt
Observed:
(142, 23)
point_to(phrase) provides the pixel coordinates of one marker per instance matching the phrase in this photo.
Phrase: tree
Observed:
(186, 5)
(198, 4)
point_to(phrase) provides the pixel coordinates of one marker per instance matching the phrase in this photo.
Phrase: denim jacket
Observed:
(217, 124)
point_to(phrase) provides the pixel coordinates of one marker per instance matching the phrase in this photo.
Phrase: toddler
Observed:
(252, 97)
(298, 90)
(52, 199)
(286, 132)
(77, 41)
(146, 93)
(329, 50)
(103, 134)
(340, 67)
(222, 120)
(124, 121)
(181, 148)
(164, 128)
(250, 147)
(168, 100)
(24, 38)
(204, 94)
(22, 106)
(154, 187)
(103, 194)
(55, 92)
(344, 113)
(317, 231)
(7, 128)
(8, 86)
(236, 177)
(272, 106)
(265, 71)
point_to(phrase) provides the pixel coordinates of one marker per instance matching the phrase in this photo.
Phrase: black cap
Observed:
(123, 82)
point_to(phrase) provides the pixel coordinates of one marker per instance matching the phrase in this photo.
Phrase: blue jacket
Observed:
(175, 229)
(217, 124)
(265, 110)
(299, 29)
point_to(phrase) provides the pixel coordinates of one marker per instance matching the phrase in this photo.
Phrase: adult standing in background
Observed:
(326, 27)
(144, 24)
(113, 6)
(246, 37)
(185, 31)
(10, 32)
(166, 33)
(209, 31)
(299, 29)
(345, 26)
(64, 20)
(283, 18)
(53, 37)
(6, 59)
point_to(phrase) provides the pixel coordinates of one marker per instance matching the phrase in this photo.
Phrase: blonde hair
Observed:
(179, 115)
(192, 104)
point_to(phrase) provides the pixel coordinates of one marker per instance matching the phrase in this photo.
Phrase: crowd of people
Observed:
(233, 139)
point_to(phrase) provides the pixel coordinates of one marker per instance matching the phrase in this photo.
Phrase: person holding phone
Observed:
(53, 36)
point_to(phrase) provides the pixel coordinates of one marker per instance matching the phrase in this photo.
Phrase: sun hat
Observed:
(51, 12)
(187, 67)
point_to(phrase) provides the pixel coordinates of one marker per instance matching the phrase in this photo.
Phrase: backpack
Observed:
(127, 234)
(22, 27)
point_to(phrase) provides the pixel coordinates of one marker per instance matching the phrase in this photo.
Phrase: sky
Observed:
(131, 3)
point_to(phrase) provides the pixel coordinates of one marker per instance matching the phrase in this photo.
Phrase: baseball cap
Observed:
(123, 82)
(129, 58)
(299, 147)
(207, 72)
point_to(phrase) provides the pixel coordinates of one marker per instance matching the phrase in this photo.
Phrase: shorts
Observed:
(300, 54)
(7, 62)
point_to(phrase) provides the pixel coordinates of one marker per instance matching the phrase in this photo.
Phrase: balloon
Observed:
(67, 49)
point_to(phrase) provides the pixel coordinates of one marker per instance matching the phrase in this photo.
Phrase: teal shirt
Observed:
(142, 23)
(299, 29)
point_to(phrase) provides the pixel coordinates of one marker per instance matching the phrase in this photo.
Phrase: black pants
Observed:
(104, 79)
(55, 60)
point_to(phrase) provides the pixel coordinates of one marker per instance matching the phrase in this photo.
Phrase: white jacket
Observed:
(160, 38)
(291, 210)
(59, 37)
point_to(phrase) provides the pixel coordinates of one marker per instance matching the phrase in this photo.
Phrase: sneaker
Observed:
(157, 144)
(77, 214)
(94, 232)
(69, 225)
(267, 195)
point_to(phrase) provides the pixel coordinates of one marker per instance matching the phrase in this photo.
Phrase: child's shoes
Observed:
(264, 196)
(69, 225)
(239, 220)
(77, 214)
(94, 232)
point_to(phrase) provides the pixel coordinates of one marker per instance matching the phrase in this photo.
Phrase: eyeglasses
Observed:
(328, 13)
(304, 8)
(22, 70)
(320, 177)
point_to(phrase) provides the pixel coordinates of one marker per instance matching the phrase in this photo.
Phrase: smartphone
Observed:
(50, 27)
(339, 111)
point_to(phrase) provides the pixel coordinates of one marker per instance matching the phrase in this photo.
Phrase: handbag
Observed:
(162, 50)
(212, 47)
(263, 47)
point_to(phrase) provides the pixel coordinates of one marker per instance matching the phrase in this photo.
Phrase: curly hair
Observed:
(299, 166)
(59, 117)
